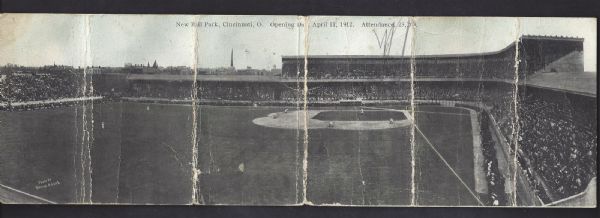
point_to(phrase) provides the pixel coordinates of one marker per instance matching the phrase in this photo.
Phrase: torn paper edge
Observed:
(305, 20)
(515, 123)
(195, 170)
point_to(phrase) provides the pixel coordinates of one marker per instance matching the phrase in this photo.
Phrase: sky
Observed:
(187, 40)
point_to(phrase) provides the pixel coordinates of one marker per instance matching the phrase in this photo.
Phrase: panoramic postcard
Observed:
(298, 110)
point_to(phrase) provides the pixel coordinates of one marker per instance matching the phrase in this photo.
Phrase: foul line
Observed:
(448, 165)
(444, 160)
(27, 194)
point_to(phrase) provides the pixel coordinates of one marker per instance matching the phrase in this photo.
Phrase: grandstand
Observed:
(547, 119)
(537, 54)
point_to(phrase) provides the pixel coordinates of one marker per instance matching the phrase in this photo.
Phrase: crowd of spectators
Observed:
(332, 92)
(556, 135)
(448, 92)
(472, 67)
(556, 138)
(356, 74)
(234, 91)
(291, 92)
(42, 86)
(354, 91)
(561, 149)
(502, 101)
(160, 89)
(388, 74)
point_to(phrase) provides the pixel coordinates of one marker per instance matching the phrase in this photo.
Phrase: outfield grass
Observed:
(374, 167)
(141, 153)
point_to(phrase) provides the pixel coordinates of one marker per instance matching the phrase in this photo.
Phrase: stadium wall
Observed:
(525, 194)
(585, 199)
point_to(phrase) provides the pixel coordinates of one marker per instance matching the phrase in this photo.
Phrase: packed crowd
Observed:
(560, 148)
(503, 109)
(448, 92)
(356, 74)
(557, 139)
(387, 74)
(364, 91)
(331, 92)
(500, 68)
(25, 87)
(556, 135)
(160, 89)
(317, 92)
(232, 91)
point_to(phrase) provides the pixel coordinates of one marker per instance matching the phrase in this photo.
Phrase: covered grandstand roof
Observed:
(398, 56)
(395, 56)
(509, 46)
(579, 82)
(546, 37)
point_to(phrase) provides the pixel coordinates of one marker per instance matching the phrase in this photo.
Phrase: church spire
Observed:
(155, 65)
(231, 64)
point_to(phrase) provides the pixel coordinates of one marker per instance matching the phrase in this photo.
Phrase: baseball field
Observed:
(141, 153)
